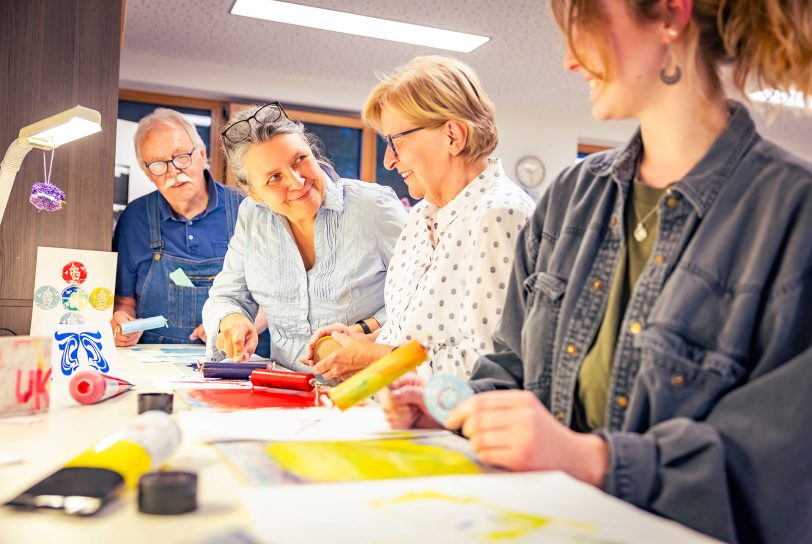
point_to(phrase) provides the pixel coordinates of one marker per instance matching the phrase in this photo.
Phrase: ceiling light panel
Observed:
(359, 25)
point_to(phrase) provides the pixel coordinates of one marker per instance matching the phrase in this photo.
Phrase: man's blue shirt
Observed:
(203, 237)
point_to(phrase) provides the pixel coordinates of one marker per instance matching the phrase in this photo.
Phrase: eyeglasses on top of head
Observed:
(238, 131)
(180, 162)
(389, 139)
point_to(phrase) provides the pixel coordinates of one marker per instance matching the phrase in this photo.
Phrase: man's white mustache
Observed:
(180, 178)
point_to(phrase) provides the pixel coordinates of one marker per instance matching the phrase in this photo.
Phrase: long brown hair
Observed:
(766, 41)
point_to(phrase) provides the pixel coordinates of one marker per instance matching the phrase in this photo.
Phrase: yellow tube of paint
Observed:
(141, 446)
(378, 375)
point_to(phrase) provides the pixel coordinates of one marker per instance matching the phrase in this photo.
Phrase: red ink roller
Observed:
(90, 387)
(298, 381)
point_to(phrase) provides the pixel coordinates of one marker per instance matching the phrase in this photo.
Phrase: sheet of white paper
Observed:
(168, 353)
(276, 425)
(162, 382)
(156, 353)
(516, 508)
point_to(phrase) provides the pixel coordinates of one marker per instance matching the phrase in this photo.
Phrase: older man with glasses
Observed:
(171, 242)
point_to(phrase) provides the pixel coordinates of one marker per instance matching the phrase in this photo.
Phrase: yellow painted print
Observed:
(367, 460)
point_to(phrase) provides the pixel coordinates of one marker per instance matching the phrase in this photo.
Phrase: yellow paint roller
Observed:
(378, 375)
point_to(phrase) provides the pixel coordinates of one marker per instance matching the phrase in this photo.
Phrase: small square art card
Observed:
(82, 347)
(72, 287)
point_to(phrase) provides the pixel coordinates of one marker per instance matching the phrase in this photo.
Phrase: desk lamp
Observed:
(47, 135)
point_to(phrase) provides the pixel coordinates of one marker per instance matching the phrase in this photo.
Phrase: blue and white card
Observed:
(82, 347)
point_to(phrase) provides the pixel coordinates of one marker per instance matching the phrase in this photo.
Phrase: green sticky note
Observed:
(180, 278)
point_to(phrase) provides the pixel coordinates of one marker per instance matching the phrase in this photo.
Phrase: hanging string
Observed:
(44, 195)
(48, 171)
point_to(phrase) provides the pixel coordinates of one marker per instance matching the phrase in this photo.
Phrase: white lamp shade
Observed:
(62, 128)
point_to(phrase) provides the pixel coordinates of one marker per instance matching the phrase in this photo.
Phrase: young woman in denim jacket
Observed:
(685, 320)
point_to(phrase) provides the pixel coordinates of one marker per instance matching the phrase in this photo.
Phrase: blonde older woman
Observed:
(449, 273)
(309, 247)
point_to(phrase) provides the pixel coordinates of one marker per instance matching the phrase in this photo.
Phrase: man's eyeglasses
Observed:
(180, 162)
(390, 143)
(239, 131)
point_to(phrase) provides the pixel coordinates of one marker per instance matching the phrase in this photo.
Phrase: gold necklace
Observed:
(640, 231)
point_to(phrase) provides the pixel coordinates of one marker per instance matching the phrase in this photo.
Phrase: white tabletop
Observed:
(311, 513)
(47, 441)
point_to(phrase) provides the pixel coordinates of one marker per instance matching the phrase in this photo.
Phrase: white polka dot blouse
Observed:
(448, 276)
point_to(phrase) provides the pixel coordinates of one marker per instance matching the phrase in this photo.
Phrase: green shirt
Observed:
(596, 369)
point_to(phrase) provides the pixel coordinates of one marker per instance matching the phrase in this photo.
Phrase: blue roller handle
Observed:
(144, 324)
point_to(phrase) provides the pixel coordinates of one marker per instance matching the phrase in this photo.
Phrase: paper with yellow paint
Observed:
(548, 507)
(367, 460)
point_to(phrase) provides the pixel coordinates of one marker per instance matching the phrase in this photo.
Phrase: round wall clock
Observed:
(530, 171)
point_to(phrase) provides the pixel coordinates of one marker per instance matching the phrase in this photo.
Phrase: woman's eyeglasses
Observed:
(390, 143)
(239, 131)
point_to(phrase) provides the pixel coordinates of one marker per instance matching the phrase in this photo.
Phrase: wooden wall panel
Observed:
(54, 55)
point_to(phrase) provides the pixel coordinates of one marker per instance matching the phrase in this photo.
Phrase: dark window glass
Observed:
(342, 145)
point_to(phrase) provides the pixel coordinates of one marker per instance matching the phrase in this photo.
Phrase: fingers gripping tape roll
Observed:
(442, 393)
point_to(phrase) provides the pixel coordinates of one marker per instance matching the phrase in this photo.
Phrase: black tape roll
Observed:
(155, 401)
(167, 493)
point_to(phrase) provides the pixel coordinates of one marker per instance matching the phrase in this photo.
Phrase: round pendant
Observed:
(640, 232)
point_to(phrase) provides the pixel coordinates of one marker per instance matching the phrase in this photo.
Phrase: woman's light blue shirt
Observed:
(356, 229)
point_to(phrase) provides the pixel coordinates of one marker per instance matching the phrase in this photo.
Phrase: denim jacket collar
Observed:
(701, 185)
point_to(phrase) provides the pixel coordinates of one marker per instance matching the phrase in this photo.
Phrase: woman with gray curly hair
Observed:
(309, 247)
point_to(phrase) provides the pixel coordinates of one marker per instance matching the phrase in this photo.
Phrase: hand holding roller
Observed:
(378, 375)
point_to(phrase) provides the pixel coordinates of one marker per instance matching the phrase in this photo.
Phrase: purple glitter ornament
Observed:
(46, 197)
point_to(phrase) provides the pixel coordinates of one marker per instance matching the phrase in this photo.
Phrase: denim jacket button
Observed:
(635, 327)
(559, 416)
(572, 349)
(659, 260)
(677, 380)
(613, 221)
(671, 202)
(622, 401)
(597, 284)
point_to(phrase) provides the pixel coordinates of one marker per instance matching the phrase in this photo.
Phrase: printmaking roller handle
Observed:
(144, 324)
(378, 375)
(298, 381)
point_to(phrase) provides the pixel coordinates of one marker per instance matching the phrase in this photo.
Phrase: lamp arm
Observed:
(8, 171)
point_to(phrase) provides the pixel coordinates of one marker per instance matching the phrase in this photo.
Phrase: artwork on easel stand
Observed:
(73, 304)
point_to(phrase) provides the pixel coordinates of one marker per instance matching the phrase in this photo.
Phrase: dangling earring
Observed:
(670, 79)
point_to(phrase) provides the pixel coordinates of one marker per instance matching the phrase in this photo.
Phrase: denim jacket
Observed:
(709, 406)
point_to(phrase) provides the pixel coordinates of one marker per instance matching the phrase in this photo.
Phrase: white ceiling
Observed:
(520, 66)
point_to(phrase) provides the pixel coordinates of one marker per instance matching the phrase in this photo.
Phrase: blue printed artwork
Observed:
(92, 349)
